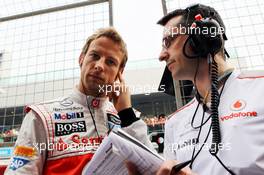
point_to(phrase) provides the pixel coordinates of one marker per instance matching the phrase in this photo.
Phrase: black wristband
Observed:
(127, 117)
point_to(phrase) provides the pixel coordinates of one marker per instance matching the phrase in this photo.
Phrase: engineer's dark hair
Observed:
(190, 12)
(188, 16)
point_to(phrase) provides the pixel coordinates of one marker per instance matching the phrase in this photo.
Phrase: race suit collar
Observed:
(82, 98)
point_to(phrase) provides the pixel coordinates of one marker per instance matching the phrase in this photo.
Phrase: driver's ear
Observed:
(81, 58)
(121, 70)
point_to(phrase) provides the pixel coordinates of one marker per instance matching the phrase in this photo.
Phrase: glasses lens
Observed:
(168, 40)
(165, 43)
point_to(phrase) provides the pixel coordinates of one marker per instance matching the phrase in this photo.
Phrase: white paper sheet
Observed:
(117, 148)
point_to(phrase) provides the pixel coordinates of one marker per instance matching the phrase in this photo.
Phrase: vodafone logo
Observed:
(239, 115)
(238, 105)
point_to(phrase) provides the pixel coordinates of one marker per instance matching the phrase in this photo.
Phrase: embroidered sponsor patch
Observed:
(78, 142)
(95, 103)
(238, 105)
(66, 102)
(113, 118)
(61, 145)
(188, 142)
(69, 128)
(236, 115)
(24, 151)
(113, 121)
(76, 138)
(18, 162)
(71, 108)
(68, 115)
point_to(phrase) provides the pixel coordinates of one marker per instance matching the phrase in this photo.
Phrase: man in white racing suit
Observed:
(61, 136)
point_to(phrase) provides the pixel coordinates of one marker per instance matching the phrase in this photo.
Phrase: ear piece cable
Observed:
(193, 117)
(199, 102)
(198, 136)
(198, 99)
(202, 124)
(194, 156)
(215, 127)
(216, 135)
(90, 111)
(92, 116)
(215, 99)
(205, 140)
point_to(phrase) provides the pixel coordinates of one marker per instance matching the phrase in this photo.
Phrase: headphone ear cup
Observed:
(205, 38)
(194, 41)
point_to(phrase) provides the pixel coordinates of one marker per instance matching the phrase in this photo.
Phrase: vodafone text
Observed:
(238, 115)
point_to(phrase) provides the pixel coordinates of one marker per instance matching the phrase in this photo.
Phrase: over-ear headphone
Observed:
(203, 43)
(205, 35)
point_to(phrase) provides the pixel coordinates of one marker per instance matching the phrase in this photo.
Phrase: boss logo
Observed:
(69, 128)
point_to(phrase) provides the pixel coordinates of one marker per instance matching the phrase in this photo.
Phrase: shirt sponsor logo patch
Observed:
(66, 102)
(24, 151)
(68, 115)
(239, 115)
(18, 163)
(78, 142)
(238, 105)
(95, 103)
(73, 108)
(69, 128)
(113, 118)
(61, 145)
(76, 138)
(188, 142)
(113, 121)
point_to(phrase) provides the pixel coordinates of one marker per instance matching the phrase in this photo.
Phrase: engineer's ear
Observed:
(81, 58)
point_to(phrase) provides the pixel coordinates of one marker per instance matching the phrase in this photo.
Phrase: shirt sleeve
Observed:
(169, 145)
(30, 148)
(139, 130)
